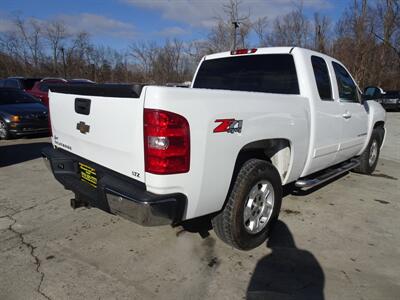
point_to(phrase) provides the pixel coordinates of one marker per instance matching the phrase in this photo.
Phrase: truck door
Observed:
(354, 115)
(327, 119)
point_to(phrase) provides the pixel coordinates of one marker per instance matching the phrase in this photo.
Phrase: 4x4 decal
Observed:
(228, 125)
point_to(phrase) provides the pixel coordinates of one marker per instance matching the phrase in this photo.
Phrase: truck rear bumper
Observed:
(115, 193)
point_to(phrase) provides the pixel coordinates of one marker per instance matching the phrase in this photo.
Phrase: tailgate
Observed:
(101, 123)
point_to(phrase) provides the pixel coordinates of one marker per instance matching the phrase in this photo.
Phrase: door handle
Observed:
(82, 106)
(346, 115)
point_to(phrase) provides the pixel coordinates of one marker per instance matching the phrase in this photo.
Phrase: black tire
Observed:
(229, 224)
(365, 166)
(4, 133)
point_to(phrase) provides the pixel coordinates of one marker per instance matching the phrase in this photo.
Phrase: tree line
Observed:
(366, 38)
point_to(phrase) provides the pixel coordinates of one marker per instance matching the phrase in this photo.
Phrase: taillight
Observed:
(243, 51)
(166, 142)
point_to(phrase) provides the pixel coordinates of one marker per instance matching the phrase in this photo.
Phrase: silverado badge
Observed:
(82, 127)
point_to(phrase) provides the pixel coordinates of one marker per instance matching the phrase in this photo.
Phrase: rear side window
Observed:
(44, 87)
(268, 73)
(12, 83)
(322, 78)
(347, 88)
(28, 83)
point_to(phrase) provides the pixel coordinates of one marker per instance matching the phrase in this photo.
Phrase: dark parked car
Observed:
(391, 100)
(21, 114)
(22, 83)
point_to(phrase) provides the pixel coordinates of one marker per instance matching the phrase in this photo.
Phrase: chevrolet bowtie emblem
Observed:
(82, 127)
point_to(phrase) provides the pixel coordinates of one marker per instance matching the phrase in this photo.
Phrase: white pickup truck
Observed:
(252, 121)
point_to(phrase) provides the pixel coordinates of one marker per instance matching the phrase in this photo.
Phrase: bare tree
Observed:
(260, 28)
(321, 25)
(162, 64)
(292, 29)
(31, 34)
(79, 56)
(144, 55)
(12, 46)
(196, 50)
(354, 44)
(56, 34)
(387, 31)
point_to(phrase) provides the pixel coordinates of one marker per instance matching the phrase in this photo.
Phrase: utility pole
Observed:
(64, 66)
(236, 25)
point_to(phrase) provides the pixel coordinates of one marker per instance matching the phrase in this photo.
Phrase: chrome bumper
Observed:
(115, 193)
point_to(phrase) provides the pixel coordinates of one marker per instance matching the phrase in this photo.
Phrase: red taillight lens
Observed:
(243, 51)
(166, 142)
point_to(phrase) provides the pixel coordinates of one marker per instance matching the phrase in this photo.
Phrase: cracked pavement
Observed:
(30, 247)
(340, 242)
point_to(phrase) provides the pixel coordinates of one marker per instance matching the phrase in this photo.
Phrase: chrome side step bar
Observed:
(310, 182)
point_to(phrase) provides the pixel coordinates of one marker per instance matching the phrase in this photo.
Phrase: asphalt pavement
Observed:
(341, 241)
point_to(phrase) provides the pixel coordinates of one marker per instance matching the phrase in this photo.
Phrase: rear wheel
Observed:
(4, 133)
(252, 207)
(369, 158)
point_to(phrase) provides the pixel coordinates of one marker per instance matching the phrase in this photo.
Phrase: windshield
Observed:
(10, 96)
(268, 73)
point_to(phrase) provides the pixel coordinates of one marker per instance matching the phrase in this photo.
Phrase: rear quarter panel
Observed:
(213, 155)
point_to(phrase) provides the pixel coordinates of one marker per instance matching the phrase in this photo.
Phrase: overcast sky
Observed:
(119, 22)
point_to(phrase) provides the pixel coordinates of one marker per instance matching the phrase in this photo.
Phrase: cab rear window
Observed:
(267, 73)
(322, 78)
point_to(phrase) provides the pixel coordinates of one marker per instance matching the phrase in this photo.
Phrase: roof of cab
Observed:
(272, 50)
(267, 50)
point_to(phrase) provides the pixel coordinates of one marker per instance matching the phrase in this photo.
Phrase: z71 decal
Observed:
(228, 125)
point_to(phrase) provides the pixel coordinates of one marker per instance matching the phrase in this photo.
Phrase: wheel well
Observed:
(381, 126)
(275, 151)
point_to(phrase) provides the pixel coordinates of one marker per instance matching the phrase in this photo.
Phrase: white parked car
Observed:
(252, 121)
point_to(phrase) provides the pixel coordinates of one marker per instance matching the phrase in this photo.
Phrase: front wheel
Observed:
(252, 207)
(4, 134)
(369, 158)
